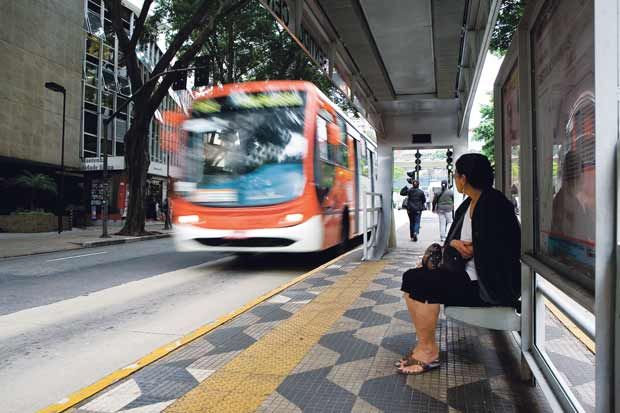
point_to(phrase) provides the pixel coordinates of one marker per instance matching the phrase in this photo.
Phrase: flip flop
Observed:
(425, 366)
(405, 359)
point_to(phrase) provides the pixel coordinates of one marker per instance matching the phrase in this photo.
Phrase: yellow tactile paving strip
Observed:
(247, 380)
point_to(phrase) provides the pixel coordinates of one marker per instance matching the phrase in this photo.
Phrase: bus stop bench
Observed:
(493, 318)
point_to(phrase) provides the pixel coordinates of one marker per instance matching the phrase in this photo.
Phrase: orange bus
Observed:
(270, 167)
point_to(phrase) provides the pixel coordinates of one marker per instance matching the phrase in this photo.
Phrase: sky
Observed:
(484, 93)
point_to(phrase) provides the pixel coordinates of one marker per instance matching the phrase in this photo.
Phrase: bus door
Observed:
(358, 199)
(331, 171)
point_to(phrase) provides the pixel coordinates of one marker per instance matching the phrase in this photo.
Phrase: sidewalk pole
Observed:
(104, 149)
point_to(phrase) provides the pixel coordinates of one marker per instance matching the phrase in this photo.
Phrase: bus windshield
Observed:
(246, 149)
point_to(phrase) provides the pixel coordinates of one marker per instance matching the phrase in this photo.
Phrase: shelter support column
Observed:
(607, 75)
(384, 186)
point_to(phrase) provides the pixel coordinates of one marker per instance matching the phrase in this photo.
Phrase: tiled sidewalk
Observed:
(328, 344)
(17, 245)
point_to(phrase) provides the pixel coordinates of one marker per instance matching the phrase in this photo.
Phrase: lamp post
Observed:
(55, 87)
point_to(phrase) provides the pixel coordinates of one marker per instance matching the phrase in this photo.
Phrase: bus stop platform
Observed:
(328, 344)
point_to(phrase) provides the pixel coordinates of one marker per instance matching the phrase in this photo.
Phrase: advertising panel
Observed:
(563, 69)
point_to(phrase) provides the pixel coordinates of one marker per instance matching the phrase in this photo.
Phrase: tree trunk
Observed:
(137, 164)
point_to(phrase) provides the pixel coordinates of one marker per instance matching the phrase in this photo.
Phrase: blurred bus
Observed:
(270, 167)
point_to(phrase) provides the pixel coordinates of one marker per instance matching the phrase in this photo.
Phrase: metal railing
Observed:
(375, 215)
(569, 309)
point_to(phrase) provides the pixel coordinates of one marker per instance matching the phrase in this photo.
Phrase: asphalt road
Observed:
(67, 319)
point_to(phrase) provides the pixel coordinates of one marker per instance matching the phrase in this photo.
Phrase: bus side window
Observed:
(324, 169)
(363, 153)
(343, 150)
(321, 137)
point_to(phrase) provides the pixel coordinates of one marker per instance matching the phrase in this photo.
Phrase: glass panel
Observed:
(90, 75)
(119, 104)
(90, 106)
(563, 64)
(90, 94)
(109, 32)
(108, 79)
(510, 134)
(120, 149)
(90, 122)
(247, 149)
(321, 137)
(108, 54)
(93, 6)
(92, 46)
(568, 351)
(121, 129)
(107, 100)
(90, 145)
(94, 23)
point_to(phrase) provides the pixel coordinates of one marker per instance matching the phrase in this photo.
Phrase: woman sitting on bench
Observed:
(480, 265)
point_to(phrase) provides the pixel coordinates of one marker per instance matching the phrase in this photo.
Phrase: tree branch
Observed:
(139, 25)
(133, 69)
(183, 34)
(224, 9)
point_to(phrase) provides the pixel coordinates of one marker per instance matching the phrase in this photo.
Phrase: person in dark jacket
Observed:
(416, 203)
(486, 234)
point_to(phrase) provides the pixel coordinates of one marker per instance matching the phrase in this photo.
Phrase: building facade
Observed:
(73, 45)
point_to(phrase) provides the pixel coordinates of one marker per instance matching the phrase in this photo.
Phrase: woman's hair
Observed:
(477, 168)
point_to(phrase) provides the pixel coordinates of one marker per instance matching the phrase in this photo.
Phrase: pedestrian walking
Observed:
(166, 211)
(416, 203)
(443, 206)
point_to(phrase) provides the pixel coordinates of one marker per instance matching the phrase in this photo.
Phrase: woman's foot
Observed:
(416, 367)
(420, 361)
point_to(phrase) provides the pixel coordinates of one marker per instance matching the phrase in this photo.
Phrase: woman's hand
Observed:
(465, 248)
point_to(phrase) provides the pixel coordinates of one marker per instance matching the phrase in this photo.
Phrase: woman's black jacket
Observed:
(416, 200)
(497, 246)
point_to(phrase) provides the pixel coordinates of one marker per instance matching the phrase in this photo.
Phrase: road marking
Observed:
(83, 394)
(77, 256)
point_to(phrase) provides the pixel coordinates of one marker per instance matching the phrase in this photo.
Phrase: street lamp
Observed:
(55, 87)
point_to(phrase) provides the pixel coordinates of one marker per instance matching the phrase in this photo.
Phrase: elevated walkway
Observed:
(328, 344)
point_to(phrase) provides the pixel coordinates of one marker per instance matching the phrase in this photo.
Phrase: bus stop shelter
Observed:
(412, 68)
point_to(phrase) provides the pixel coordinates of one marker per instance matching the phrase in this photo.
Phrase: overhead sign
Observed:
(237, 101)
(288, 14)
(115, 163)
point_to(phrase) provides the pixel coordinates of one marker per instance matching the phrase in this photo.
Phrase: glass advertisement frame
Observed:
(562, 67)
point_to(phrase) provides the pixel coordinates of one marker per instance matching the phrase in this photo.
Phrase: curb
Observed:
(114, 377)
(92, 244)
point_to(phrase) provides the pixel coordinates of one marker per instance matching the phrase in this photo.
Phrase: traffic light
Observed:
(181, 82)
(201, 74)
(418, 155)
(449, 165)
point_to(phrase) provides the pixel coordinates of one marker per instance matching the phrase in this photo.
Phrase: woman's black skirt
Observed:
(442, 287)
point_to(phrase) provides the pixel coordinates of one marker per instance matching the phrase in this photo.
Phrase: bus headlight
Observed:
(189, 219)
(292, 219)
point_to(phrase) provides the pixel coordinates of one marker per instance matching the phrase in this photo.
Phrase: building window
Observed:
(90, 123)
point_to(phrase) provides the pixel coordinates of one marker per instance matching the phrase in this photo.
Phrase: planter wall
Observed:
(32, 223)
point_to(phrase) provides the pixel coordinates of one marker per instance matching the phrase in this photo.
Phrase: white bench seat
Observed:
(494, 318)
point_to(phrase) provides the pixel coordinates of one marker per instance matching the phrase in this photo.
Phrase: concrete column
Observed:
(384, 186)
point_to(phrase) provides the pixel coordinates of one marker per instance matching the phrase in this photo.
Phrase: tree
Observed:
(485, 132)
(34, 184)
(250, 45)
(184, 44)
(510, 14)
